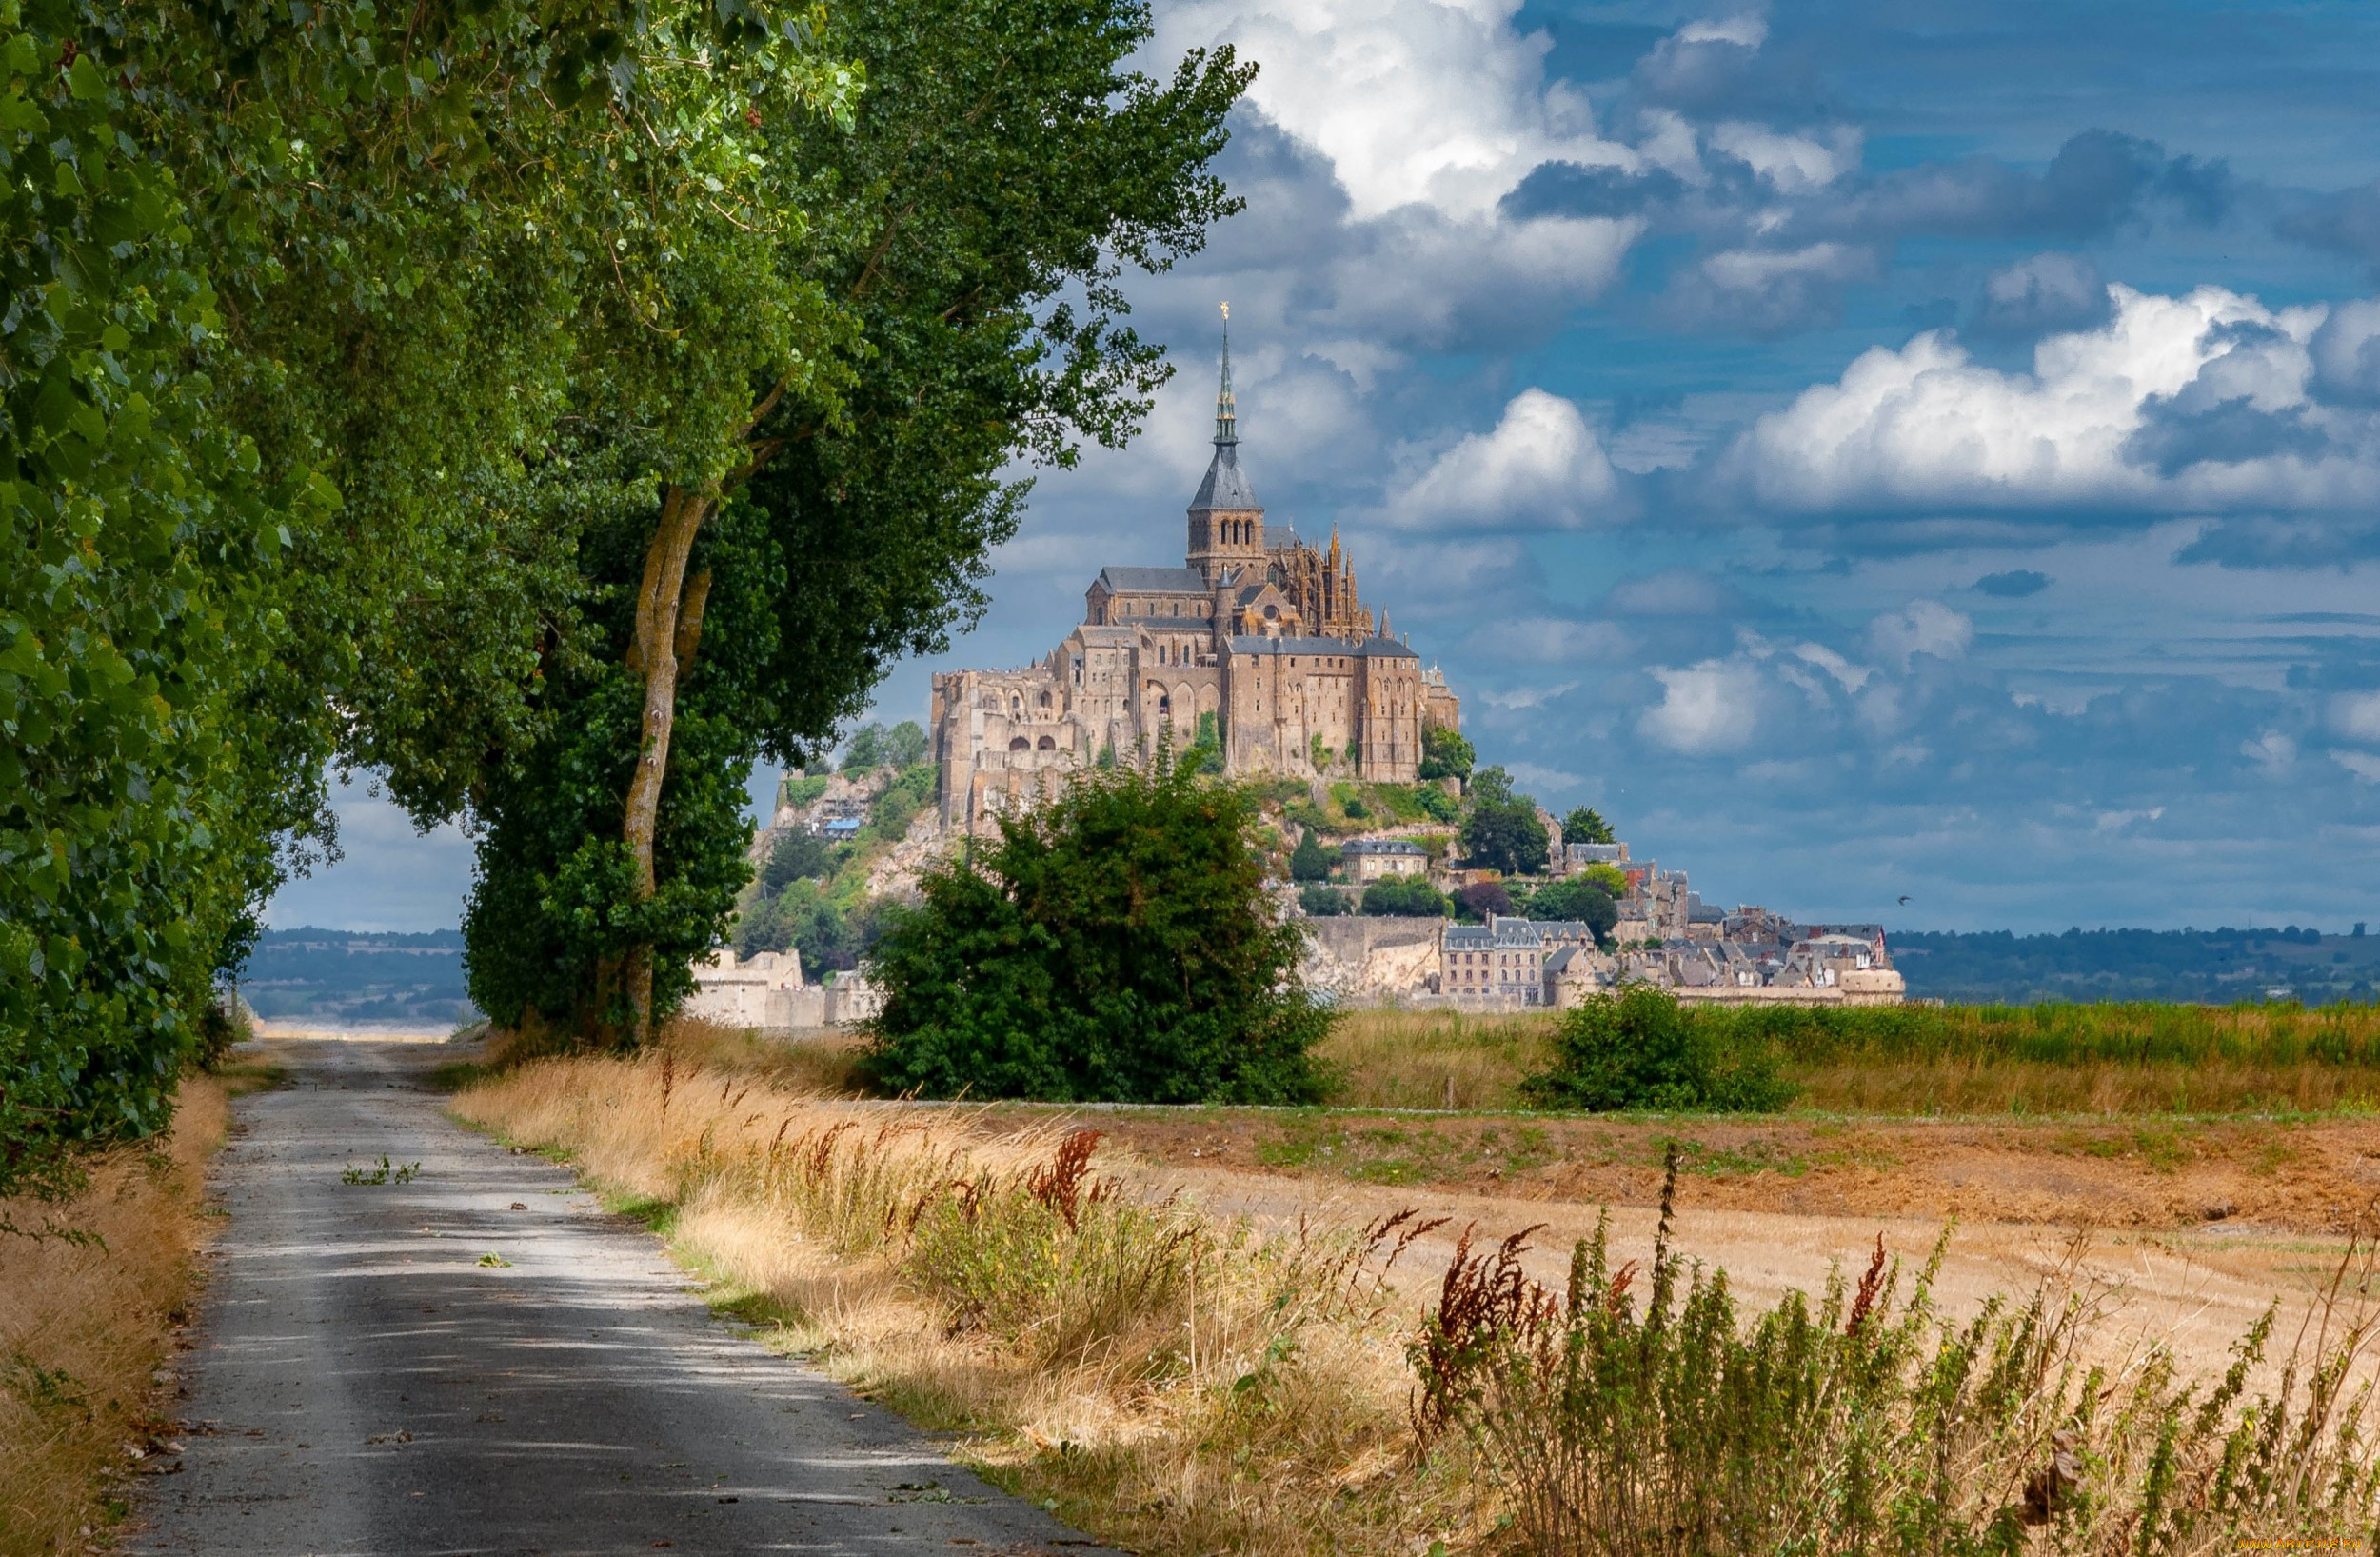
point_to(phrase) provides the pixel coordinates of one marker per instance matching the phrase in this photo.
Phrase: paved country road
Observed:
(362, 1382)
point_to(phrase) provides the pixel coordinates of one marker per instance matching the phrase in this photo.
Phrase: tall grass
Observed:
(1174, 1382)
(2136, 1057)
(84, 1321)
(1868, 1423)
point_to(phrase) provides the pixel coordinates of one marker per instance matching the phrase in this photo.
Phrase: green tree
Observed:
(1404, 897)
(866, 750)
(1501, 830)
(1319, 902)
(1310, 861)
(1206, 754)
(878, 334)
(906, 744)
(1116, 944)
(796, 856)
(1584, 825)
(1576, 898)
(1445, 753)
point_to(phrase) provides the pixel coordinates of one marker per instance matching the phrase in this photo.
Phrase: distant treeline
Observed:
(352, 977)
(2218, 967)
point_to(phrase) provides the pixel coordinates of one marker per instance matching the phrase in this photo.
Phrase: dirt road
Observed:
(475, 1357)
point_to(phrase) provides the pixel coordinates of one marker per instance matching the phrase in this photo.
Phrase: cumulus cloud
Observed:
(2346, 352)
(2272, 750)
(1922, 627)
(2044, 294)
(1769, 291)
(1706, 710)
(1411, 102)
(1542, 467)
(2198, 401)
(2356, 715)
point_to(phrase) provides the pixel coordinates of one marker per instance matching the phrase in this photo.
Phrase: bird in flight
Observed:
(1904, 897)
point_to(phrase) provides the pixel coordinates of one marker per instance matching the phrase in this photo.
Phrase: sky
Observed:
(1869, 451)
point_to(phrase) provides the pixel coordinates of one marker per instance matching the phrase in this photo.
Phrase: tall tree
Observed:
(1502, 830)
(965, 236)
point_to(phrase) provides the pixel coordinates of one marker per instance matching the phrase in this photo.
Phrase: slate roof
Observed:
(1153, 581)
(1225, 486)
(1382, 845)
(1387, 648)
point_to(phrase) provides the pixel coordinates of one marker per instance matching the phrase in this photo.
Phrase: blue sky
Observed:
(1868, 450)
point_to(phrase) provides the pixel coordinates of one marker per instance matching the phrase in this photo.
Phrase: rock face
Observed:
(1360, 959)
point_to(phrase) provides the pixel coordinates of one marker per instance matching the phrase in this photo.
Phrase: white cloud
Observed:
(1790, 163)
(1705, 709)
(1541, 466)
(2362, 763)
(2272, 750)
(1922, 627)
(1525, 697)
(1553, 640)
(1412, 102)
(1537, 775)
(2356, 715)
(1749, 29)
(1925, 425)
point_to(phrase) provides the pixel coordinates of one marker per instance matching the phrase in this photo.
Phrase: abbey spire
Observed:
(1227, 521)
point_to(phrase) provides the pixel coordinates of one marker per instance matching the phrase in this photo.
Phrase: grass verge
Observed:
(1160, 1378)
(92, 1288)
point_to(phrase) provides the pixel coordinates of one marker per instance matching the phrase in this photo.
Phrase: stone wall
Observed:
(1359, 958)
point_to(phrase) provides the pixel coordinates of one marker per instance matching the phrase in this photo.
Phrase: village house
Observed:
(1369, 859)
(1501, 964)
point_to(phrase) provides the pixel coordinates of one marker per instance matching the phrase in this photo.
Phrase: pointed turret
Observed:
(1226, 522)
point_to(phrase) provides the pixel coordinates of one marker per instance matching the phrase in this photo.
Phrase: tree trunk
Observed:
(669, 627)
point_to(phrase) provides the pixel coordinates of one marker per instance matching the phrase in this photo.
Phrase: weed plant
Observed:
(1871, 1423)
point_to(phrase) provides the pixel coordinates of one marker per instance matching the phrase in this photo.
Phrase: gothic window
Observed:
(1021, 744)
(1046, 700)
(1047, 744)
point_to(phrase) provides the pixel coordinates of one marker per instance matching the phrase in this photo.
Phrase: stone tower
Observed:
(1226, 522)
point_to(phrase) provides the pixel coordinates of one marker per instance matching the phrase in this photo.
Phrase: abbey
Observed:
(1264, 642)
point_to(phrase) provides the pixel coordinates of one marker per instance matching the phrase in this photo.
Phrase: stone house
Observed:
(1369, 859)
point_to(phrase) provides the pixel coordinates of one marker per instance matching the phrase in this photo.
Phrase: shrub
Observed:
(1868, 1425)
(1310, 861)
(1322, 901)
(805, 790)
(1404, 897)
(1639, 1050)
(1436, 802)
(1117, 942)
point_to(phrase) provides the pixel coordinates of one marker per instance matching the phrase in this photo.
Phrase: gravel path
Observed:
(482, 1360)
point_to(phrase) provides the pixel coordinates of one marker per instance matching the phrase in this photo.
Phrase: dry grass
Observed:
(2114, 1058)
(1172, 1382)
(84, 1324)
